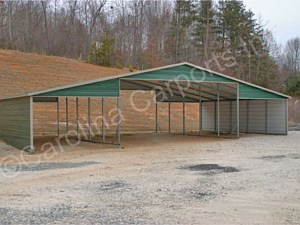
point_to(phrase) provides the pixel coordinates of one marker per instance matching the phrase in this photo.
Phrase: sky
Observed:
(282, 17)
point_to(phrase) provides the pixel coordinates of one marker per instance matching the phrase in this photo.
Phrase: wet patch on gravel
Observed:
(294, 156)
(111, 185)
(106, 187)
(203, 195)
(272, 157)
(211, 169)
(45, 166)
(278, 157)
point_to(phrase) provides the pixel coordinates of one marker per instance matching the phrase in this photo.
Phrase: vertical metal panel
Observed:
(225, 116)
(228, 115)
(16, 122)
(257, 116)
(208, 116)
(243, 115)
(255, 120)
(276, 120)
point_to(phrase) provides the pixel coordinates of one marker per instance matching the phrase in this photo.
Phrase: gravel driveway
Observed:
(157, 180)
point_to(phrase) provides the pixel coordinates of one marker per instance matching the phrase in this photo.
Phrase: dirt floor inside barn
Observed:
(156, 179)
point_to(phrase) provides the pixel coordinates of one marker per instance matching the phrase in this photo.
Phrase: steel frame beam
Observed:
(178, 94)
(225, 98)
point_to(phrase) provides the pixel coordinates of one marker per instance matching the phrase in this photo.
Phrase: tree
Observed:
(292, 56)
(204, 28)
(101, 52)
(178, 37)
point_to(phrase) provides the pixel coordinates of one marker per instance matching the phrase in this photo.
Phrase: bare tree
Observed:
(292, 55)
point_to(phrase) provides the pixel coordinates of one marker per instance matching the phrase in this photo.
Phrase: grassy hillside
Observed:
(23, 72)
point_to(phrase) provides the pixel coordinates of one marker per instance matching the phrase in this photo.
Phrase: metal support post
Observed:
(230, 115)
(169, 113)
(119, 121)
(200, 107)
(183, 115)
(247, 122)
(237, 111)
(156, 117)
(103, 121)
(77, 118)
(218, 110)
(266, 116)
(67, 115)
(89, 118)
(57, 109)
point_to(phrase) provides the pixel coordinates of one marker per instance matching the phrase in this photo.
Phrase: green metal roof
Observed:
(111, 86)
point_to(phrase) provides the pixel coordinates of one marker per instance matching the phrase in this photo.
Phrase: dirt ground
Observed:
(156, 179)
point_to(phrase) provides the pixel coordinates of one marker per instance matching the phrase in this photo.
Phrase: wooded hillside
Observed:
(220, 35)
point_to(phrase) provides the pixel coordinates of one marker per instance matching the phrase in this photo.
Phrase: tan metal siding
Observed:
(257, 116)
(208, 116)
(15, 122)
(228, 118)
(276, 117)
(253, 121)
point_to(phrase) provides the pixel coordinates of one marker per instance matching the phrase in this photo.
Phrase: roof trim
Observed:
(141, 72)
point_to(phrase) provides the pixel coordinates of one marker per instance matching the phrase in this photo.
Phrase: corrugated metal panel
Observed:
(15, 122)
(257, 116)
(276, 117)
(253, 120)
(225, 116)
(185, 72)
(208, 116)
(109, 88)
(249, 92)
(244, 125)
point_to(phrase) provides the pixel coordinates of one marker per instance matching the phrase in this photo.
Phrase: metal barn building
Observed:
(225, 104)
